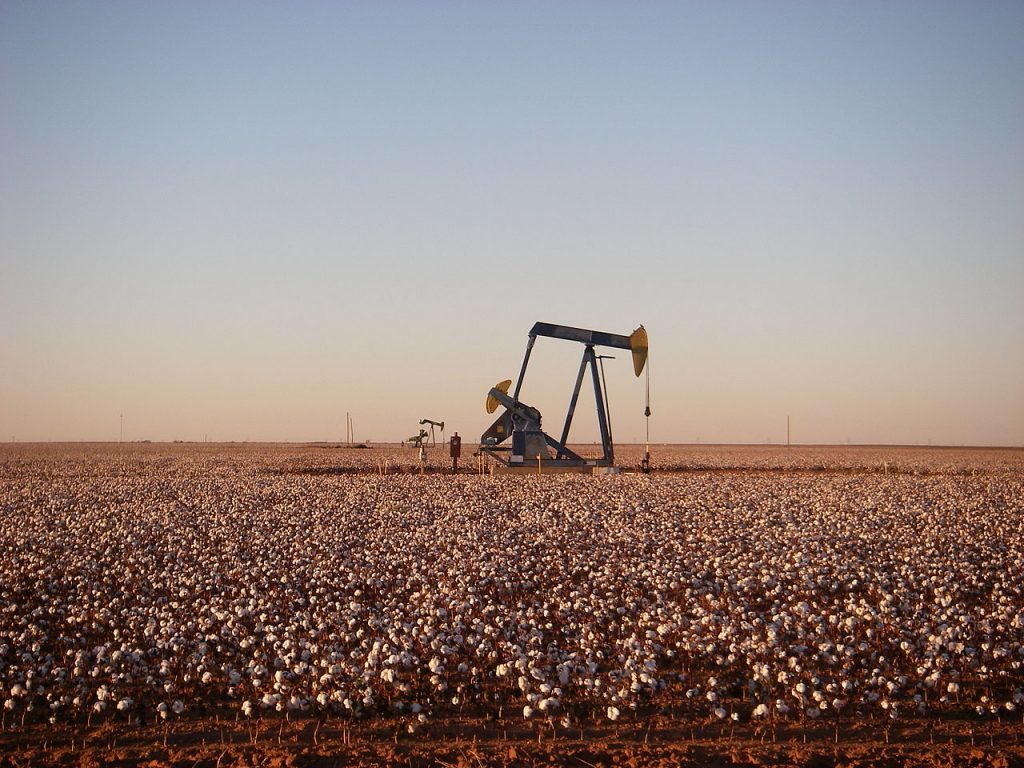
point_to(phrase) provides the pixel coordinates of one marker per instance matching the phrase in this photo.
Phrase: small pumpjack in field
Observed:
(420, 440)
(416, 441)
(533, 449)
(432, 423)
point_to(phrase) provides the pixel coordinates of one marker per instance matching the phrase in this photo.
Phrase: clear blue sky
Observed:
(242, 219)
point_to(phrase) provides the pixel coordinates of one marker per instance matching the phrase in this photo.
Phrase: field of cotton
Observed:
(763, 587)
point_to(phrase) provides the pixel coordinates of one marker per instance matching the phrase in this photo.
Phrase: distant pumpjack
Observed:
(438, 424)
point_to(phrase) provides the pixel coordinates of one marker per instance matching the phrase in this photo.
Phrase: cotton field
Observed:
(146, 583)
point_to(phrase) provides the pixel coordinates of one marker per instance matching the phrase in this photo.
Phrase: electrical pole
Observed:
(787, 431)
(120, 435)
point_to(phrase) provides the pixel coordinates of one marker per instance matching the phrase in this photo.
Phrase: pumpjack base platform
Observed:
(502, 464)
(501, 469)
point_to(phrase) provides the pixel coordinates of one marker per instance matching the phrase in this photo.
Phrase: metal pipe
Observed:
(607, 404)
(572, 402)
(522, 371)
(609, 455)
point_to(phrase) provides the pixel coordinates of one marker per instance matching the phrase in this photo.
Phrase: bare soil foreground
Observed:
(322, 605)
(468, 743)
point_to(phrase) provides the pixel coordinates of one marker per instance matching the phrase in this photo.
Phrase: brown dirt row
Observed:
(470, 744)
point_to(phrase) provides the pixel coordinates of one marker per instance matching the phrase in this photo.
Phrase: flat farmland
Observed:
(251, 604)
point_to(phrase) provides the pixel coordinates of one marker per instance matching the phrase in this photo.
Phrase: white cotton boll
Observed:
(178, 707)
(527, 712)
(613, 713)
(548, 704)
(761, 710)
(720, 713)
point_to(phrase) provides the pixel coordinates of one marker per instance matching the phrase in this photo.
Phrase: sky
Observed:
(243, 220)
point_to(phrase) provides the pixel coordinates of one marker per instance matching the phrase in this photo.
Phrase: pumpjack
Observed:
(530, 445)
(416, 440)
(421, 439)
(438, 424)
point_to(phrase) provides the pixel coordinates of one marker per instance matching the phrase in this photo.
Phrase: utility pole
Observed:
(120, 435)
(787, 431)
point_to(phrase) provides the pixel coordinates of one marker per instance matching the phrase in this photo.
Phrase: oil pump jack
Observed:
(421, 439)
(416, 441)
(530, 445)
(438, 424)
